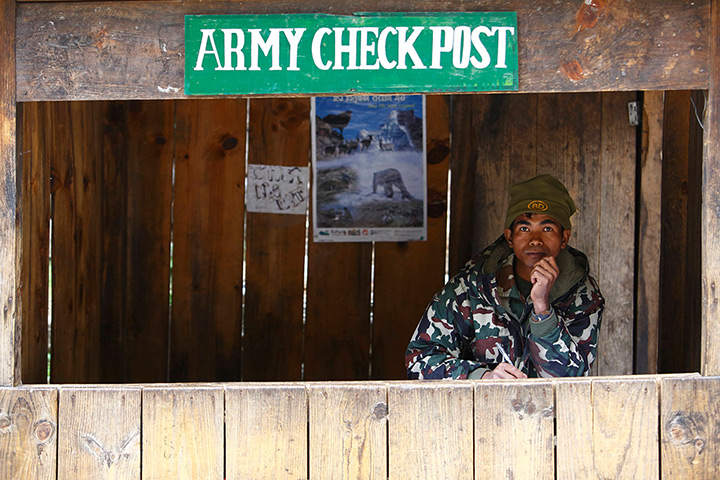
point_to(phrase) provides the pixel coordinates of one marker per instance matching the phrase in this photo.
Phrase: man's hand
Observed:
(542, 277)
(504, 370)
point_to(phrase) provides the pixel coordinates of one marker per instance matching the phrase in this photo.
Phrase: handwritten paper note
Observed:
(277, 189)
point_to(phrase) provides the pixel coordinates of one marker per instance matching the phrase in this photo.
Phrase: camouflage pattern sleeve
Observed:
(440, 339)
(569, 349)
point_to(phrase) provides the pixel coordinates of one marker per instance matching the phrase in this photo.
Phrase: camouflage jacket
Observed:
(481, 305)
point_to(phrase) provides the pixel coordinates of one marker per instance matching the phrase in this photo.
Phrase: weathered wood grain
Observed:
(9, 273)
(615, 252)
(505, 134)
(135, 50)
(208, 240)
(430, 430)
(182, 434)
(337, 328)
(574, 425)
(690, 428)
(37, 118)
(76, 246)
(625, 428)
(514, 430)
(679, 331)
(99, 436)
(279, 134)
(649, 235)
(348, 431)
(147, 274)
(463, 158)
(408, 274)
(28, 433)
(710, 356)
(266, 431)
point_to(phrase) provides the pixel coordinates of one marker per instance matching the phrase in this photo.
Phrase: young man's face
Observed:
(532, 237)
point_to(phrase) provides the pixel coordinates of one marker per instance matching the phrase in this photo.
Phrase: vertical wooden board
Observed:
(279, 134)
(28, 433)
(409, 273)
(649, 235)
(208, 240)
(430, 430)
(574, 426)
(625, 428)
(505, 129)
(514, 430)
(149, 196)
(99, 436)
(9, 345)
(463, 153)
(710, 357)
(182, 432)
(674, 338)
(348, 431)
(77, 193)
(690, 428)
(616, 247)
(266, 431)
(693, 262)
(337, 329)
(569, 147)
(113, 316)
(36, 120)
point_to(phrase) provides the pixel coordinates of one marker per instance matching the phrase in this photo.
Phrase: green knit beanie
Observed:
(541, 194)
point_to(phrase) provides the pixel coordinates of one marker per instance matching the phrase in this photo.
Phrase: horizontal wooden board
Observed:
(135, 50)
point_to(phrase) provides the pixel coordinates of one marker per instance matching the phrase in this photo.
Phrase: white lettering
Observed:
(405, 48)
(367, 48)
(350, 48)
(461, 48)
(382, 41)
(271, 45)
(237, 49)
(293, 36)
(438, 45)
(316, 52)
(480, 47)
(502, 44)
(207, 38)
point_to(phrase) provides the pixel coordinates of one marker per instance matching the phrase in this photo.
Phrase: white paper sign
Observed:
(277, 189)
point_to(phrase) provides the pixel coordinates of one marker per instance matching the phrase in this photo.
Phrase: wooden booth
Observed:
(153, 328)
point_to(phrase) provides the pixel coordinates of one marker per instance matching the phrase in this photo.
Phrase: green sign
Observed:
(363, 53)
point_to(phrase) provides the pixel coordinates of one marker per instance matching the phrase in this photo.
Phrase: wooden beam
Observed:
(135, 50)
(9, 344)
(710, 355)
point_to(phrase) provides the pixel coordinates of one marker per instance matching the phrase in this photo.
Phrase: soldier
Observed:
(529, 292)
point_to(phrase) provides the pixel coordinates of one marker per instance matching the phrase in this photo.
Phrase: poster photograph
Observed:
(369, 175)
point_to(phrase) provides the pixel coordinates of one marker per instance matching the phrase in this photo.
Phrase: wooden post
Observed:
(710, 358)
(9, 347)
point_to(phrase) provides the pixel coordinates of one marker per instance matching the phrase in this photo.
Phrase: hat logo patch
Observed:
(538, 205)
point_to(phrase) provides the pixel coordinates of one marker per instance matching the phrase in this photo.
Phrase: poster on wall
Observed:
(369, 175)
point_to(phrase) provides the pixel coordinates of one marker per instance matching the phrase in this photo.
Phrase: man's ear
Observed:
(566, 238)
(508, 236)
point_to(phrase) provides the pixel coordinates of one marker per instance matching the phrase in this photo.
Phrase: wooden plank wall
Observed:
(613, 427)
(587, 142)
(10, 246)
(127, 177)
